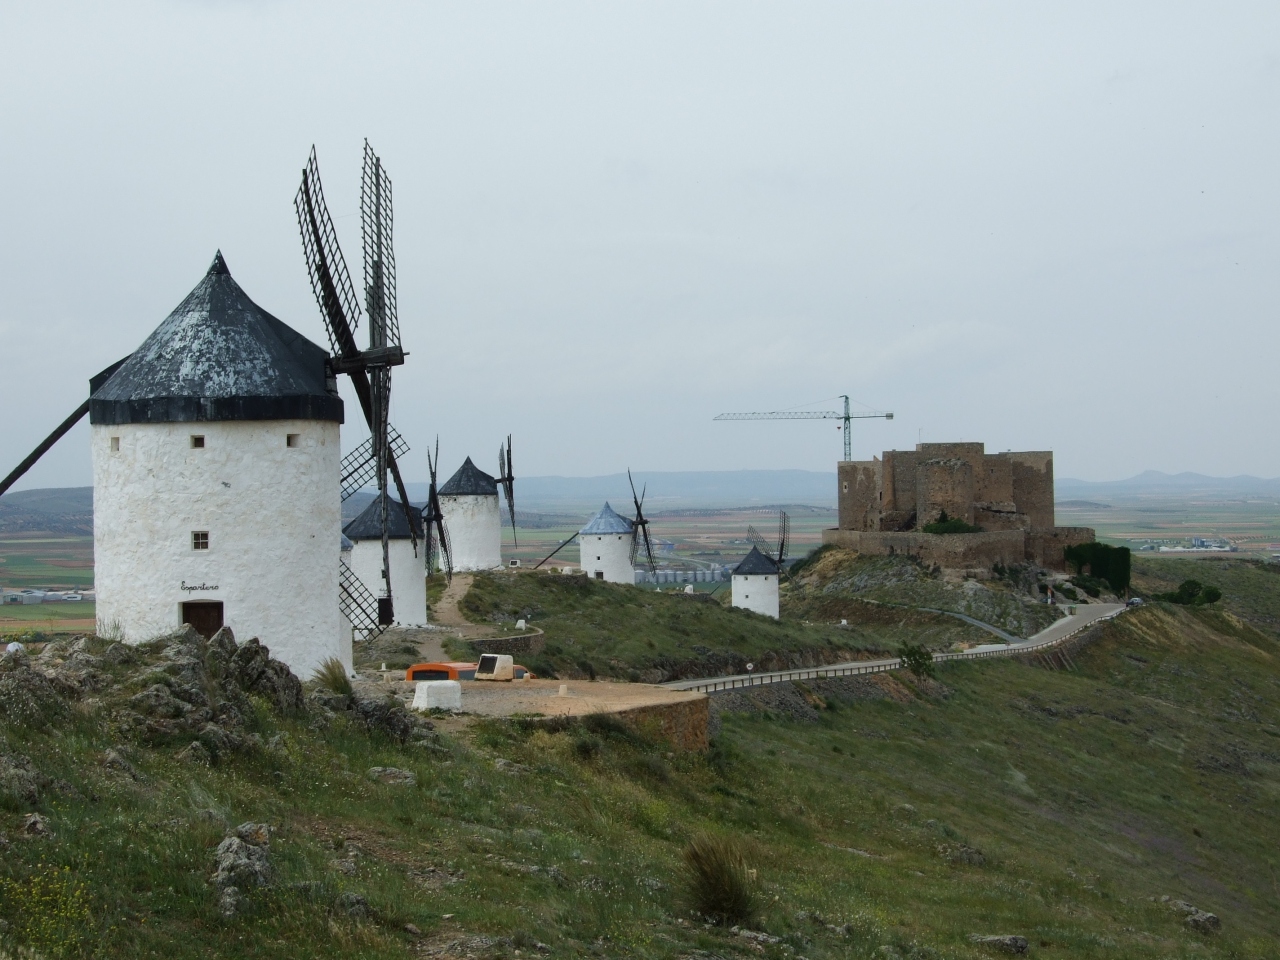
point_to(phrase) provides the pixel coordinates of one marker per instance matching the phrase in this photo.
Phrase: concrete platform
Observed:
(679, 716)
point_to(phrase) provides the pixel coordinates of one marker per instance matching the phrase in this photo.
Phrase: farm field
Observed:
(1252, 525)
(46, 618)
(36, 560)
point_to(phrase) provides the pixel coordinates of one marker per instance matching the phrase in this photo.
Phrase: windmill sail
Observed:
(640, 527)
(507, 477)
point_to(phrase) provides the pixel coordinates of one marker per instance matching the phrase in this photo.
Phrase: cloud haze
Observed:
(1042, 226)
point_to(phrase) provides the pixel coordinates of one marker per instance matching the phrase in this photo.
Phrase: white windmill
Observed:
(469, 506)
(755, 579)
(609, 542)
(215, 480)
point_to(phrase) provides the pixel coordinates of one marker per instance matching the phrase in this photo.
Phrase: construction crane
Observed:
(814, 415)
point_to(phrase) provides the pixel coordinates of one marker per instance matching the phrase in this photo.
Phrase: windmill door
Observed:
(204, 615)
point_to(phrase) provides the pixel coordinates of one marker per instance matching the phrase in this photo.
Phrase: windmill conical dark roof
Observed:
(219, 356)
(755, 563)
(607, 521)
(469, 480)
(368, 526)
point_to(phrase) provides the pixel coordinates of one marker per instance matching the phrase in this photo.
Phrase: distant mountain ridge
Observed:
(1156, 483)
(70, 509)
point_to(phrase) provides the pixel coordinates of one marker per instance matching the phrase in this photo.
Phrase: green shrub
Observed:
(332, 676)
(945, 524)
(1104, 561)
(1192, 593)
(917, 658)
(48, 911)
(720, 886)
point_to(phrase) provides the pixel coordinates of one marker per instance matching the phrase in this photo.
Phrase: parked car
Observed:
(454, 670)
(1134, 602)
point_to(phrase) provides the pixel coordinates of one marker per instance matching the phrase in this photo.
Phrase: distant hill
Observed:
(1155, 483)
(51, 510)
(673, 490)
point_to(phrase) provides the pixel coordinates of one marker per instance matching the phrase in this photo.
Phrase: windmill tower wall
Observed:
(474, 523)
(607, 557)
(757, 592)
(270, 509)
(408, 576)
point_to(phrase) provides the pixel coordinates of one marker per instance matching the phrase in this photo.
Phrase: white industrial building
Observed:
(469, 503)
(215, 481)
(755, 584)
(605, 545)
(408, 562)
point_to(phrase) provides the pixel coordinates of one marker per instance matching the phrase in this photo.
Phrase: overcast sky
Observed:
(1043, 226)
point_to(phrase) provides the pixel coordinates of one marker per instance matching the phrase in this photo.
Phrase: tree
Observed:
(917, 658)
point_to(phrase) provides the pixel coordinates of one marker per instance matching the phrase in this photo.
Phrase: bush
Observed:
(49, 911)
(1192, 593)
(1104, 561)
(720, 886)
(1091, 585)
(917, 659)
(945, 524)
(332, 675)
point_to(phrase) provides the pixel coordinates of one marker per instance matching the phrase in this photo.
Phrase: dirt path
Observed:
(446, 612)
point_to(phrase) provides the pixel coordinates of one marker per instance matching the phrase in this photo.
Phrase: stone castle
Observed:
(886, 503)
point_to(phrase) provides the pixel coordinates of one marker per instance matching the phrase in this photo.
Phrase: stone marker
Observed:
(437, 695)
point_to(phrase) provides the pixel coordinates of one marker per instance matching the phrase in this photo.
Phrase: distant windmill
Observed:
(814, 415)
(611, 542)
(755, 579)
(369, 370)
(778, 556)
(507, 480)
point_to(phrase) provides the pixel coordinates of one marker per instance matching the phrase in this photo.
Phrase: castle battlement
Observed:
(886, 503)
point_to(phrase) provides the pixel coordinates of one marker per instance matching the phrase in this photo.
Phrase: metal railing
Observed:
(738, 681)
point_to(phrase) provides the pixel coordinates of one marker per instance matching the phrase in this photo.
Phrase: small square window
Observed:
(115, 444)
(199, 539)
(291, 439)
(197, 441)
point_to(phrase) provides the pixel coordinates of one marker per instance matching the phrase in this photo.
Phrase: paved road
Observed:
(1058, 631)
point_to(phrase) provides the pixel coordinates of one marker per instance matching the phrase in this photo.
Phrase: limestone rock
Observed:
(258, 834)
(158, 701)
(353, 905)
(1204, 922)
(392, 775)
(196, 752)
(255, 671)
(1006, 943)
(20, 782)
(240, 864)
(962, 853)
(229, 902)
(1196, 918)
(34, 825)
(387, 715)
(115, 760)
(29, 697)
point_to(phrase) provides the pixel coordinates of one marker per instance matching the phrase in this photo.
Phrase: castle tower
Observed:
(755, 584)
(215, 481)
(408, 566)
(469, 502)
(605, 545)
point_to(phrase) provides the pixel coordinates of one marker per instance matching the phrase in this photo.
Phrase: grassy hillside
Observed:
(1250, 588)
(619, 631)
(898, 820)
(829, 584)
